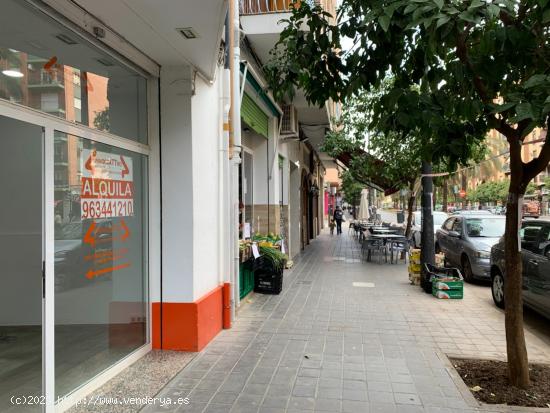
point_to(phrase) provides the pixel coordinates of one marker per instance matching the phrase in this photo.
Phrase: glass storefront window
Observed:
(55, 71)
(100, 251)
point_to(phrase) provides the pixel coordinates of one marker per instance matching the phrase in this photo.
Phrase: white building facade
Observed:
(122, 207)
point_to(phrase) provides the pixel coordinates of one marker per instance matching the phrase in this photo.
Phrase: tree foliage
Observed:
(351, 188)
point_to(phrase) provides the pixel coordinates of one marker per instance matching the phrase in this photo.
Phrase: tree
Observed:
(482, 63)
(102, 120)
(351, 188)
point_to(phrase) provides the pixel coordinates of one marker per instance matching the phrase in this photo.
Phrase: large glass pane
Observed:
(20, 263)
(47, 67)
(100, 276)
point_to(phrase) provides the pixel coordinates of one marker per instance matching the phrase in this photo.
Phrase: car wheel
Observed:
(467, 269)
(497, 289)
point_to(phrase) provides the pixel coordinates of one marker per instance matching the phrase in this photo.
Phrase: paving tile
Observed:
(352, 406)
(328, 405)
(407, 398)
(280, 402)
(301, 403)
(224, 398)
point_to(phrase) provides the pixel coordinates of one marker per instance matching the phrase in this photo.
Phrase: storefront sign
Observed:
(107, 187)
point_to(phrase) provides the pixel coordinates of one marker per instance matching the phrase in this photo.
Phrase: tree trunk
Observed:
(464, 185)
(427, 255)
(518, 366)
(410, 207)
(445, 195)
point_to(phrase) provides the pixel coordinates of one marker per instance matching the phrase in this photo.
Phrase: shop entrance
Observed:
(21, 261)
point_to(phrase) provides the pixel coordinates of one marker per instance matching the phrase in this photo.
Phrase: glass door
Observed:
(21, 265)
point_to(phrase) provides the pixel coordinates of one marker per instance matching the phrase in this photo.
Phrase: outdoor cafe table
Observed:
(389, 239)
(383, 230)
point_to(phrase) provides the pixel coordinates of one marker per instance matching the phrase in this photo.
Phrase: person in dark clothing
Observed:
(338, 217)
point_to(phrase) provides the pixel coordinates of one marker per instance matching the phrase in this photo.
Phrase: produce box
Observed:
(448, 284)
(415, 268)
(414, 256)
(449, 294)
(414, 278)
(446, 287)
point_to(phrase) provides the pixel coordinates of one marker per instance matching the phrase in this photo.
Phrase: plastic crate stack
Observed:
(414, 266)
(415, 269)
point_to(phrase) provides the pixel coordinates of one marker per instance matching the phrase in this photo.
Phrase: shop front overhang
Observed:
(260, 90)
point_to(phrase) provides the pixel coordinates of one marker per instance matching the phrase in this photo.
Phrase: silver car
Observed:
(466, 241)
(416, 225)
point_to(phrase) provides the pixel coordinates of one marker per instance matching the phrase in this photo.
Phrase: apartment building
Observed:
(122, 208)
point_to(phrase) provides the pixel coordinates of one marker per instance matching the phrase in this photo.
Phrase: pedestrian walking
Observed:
(338, 217)
(331, 225)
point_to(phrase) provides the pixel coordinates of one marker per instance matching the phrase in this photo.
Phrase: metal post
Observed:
(427, 255)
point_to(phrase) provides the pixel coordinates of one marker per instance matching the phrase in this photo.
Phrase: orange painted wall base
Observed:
(188, 326)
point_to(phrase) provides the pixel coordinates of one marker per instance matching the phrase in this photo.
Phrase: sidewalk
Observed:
(329, 345)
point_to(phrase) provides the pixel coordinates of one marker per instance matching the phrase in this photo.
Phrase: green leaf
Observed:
(524, 111)
(493, 10)
(439, 3)
(476, 4)
(501, 108)
(410, 8)
(384, 22)
(442, 20)
(546, 16)
(535, 81)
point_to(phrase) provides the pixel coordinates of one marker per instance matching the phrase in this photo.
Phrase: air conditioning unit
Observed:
(290, 121)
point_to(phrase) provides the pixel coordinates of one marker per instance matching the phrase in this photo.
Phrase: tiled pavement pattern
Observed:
(325, 345)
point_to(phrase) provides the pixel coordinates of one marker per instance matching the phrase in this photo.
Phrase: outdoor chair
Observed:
(352, 227)
(370, 245)
(399, 248)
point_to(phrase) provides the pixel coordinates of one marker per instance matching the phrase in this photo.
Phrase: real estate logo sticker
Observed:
(107, 186)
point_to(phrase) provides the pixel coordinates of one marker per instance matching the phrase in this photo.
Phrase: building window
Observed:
(49, 102)
(70, 68)
(100, 273)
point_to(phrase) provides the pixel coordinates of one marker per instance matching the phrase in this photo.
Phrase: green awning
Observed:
(254, 116)
(260, 92)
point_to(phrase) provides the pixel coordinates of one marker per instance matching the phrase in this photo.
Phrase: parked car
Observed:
(416, 225)
(473, 212)
(466, 241)
(535, 254)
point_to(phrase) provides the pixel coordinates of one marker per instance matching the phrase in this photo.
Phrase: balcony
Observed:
(250, 7)
(46, 79)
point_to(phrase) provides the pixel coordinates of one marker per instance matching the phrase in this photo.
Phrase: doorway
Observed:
(21, 262)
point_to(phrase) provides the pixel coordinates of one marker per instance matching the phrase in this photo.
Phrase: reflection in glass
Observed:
(55, 71)
(100, 277)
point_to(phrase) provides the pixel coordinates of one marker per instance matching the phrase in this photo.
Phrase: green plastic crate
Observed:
(246, 279)
(448, 294)
(448, 285)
